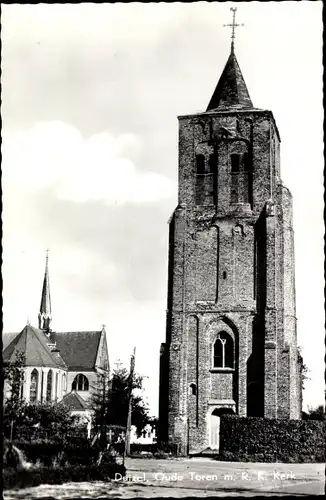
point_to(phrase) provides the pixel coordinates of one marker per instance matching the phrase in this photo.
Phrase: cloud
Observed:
(99, 168)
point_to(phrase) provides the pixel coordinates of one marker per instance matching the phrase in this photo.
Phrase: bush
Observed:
(118, 447)
(161, 454)
(41, 450)
(139, 448)
(143, 454)
(109, 457)
(73, 452)
(271, 440)
(169, 448)
(79, 452)
(34, 477)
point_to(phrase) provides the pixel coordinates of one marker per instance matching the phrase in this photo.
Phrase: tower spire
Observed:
(45, 316)
(234, 25)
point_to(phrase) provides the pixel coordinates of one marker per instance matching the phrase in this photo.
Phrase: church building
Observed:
(231, 340)
(60, 367)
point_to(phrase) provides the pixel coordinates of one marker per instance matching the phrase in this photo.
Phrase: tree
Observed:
(100, 404)
(24, 417)
(304, 369)
(13, 374)
(48, 416)
(110, 401)
(317, 413)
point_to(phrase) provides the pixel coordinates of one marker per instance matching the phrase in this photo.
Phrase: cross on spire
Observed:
(233, 26)
(47, 255)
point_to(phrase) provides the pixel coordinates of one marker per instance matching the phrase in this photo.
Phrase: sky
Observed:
(90, 99)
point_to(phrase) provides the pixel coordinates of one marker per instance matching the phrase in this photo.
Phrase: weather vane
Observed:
(233, 26)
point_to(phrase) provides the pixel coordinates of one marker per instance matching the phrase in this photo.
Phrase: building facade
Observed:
(60, 367)
(231, 341)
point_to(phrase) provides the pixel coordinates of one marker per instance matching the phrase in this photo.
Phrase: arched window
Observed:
(193, 389)
(212, 163)
(206, 174)
(240, 161)
(33, 386)
(49, 386)
(64, 382)
(223, 351)
(200, 164)
(246, 162)
(80, 383)
(56, 385)
(235, 163)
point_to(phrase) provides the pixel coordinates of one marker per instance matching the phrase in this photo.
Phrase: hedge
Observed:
(78, 451)
(72, 452)
(271, 440)
(58, 475)
(153, 448)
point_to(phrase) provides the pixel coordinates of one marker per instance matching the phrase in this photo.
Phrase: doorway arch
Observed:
(214, 426)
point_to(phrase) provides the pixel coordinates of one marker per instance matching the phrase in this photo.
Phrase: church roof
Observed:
(78, 349)
(74, 402)
(32, 342)
(57, 356)
(231, 90)
(7, 337)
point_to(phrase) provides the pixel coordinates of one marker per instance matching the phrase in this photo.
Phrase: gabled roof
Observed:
(78, 349)
(102, 357)
(74, 402)
(32, 342)
(231, 90)
(7, 338)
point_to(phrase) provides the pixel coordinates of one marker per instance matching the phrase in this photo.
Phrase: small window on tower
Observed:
(212, 163)
(246, 162)
(235, 163)
(193, 389)
(200, 164)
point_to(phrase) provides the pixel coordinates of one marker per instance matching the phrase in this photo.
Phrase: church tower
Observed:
(45, 315)
(231, 324)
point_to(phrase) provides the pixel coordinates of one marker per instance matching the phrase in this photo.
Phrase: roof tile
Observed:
(78, 349)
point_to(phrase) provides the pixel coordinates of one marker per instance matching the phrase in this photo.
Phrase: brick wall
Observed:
(230, 268)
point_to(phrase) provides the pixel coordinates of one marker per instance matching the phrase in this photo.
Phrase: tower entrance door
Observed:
(214, 427)
(214, 438)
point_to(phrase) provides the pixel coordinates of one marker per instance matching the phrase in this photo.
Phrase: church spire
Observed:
(44, 316)
(231, 90)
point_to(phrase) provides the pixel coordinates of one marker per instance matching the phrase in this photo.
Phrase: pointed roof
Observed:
(45, 314)
(7, 338)
(78, 349)
(74, 402)
(32, 342)
(231, 90)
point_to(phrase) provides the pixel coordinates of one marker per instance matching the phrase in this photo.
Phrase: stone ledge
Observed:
(222, 370)
(222, 402)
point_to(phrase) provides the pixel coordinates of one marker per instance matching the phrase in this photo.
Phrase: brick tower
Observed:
(231, 328)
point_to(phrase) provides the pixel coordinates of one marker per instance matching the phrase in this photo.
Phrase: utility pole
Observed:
(128, 428)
